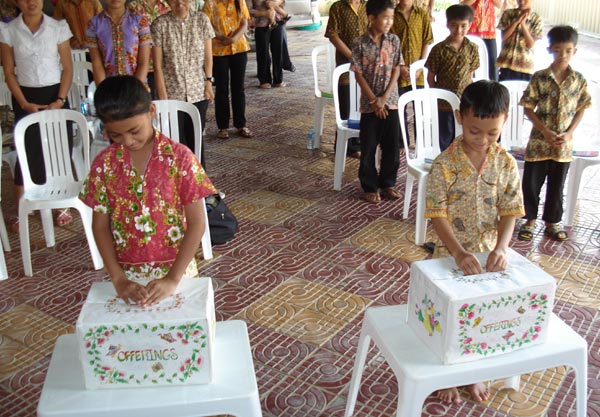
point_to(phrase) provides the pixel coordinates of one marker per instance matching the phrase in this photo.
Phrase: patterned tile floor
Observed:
(305, 264)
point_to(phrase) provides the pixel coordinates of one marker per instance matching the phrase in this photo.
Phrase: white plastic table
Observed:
(233, 390)
(420, 372)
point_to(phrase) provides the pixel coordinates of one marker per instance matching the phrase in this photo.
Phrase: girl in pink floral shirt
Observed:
(146, 192)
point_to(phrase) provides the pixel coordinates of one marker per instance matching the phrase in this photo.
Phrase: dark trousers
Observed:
(447, 133)
(230, 70)
(534, 175)
(492, 50)
(344, 96)
(152, 86)
(269, 50)
(285, 54)
(506, 74)
(186, 128)
(386, 134)
(33, 138)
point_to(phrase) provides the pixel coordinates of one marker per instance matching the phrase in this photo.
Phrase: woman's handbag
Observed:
(221, 221)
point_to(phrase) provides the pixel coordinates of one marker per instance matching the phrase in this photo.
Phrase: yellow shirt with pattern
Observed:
(225, 20)
(414, 34)
(473, 201)
(515, 55)
(556, 105)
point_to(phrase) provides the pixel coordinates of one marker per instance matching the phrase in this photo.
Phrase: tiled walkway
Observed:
(305, 264)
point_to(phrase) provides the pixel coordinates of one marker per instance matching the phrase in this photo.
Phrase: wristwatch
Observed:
(210, 79)
(63, 99)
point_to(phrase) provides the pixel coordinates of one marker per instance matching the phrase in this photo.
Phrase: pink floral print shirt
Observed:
(146, 211)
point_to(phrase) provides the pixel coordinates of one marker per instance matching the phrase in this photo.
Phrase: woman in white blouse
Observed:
(36, 57)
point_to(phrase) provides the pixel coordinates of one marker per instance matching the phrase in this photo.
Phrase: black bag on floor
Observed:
(221, 221)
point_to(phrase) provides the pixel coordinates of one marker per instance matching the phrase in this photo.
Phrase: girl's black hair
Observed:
(485, 99)
(121, 97)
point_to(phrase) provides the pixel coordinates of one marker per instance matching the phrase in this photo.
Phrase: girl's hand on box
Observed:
(159, 289)
(131, 292)
(496, 261)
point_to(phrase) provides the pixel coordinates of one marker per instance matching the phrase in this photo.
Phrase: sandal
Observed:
(391, 193)
(526, 232)
(245, 132)
(280, 85)
(265, 86)
(373, 198)
(223, 134)
(554, 231)
(64, 217)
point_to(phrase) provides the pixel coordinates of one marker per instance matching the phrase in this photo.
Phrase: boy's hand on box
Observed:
(496, 261)
(159, 289)
(131, 292)
(468, 263)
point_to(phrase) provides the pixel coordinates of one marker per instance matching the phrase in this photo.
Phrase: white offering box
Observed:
(170, 343)
(464, 318)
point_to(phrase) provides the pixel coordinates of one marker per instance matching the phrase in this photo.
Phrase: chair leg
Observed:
(48, 226)
(420, 216)
(359, 365)
(319, 117)
(580, 368)
(206, 242)
(574, 182)
(410, 398)
(86, 220)
(410, 180)
(3, 271)
(513, 382)
(340, 160)
(24, 239)
(4, 234)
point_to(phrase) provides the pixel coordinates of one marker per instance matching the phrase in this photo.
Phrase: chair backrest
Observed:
(512, 132)
(168, 123)
(323, 64)
(483, 72)
(79, 54)
(414, 67)
(81, 72)
(5, 95)
(55, 145)
(354, 94)
(425, 104)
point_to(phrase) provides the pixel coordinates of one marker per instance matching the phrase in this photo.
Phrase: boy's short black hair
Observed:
(459, 12)
(121, 97)
(485, 99)
(376, 7)
(561, 34)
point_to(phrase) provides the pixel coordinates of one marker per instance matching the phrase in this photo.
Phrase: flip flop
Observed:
(390, 193)
(64, 217)
(372, 198)
(526, 233)
(223, 134)
(245, 132)
(554, 231)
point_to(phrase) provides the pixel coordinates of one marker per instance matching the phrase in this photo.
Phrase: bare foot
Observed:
(449, 396)
(479, 392)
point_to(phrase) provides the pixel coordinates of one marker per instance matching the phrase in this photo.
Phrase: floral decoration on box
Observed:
(172, 303)
(429, 316)
(99, 337)
(471, 315)
(458, 275)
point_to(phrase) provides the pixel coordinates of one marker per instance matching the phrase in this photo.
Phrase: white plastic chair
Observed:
(79, 54)
(420, 372)
(483, 72)
(323, 64)
(61, 190)
(232, 391)
(168, 124)
(344, 133)
(513, 131)
(4, 242)
(414, 68)
(427, 145)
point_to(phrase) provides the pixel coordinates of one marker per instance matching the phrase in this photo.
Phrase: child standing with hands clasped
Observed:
(521, 28)
(474, 193)
(146, 193)
(376, 60)
(554, 101)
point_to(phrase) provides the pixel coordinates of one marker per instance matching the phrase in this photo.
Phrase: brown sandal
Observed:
(223, 134)
(372, 198)
(391, 193)
(245, 132)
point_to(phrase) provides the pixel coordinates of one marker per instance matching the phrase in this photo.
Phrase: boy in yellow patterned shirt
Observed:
(474, 193)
